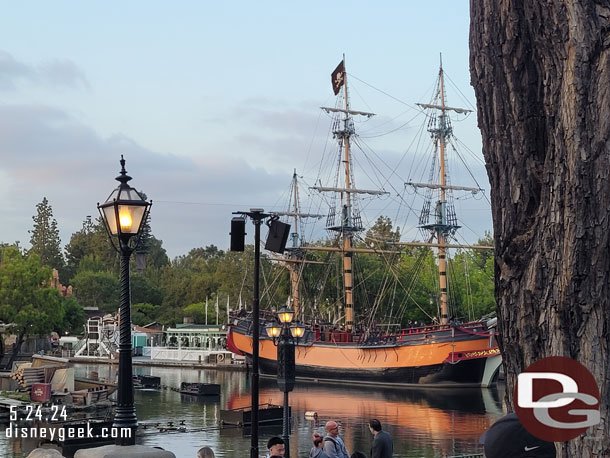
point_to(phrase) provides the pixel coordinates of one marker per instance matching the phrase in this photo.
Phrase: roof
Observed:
(146, 330)
(203, 327)
(154, 323)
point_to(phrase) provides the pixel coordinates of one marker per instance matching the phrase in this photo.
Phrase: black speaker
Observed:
(277, 237)
(238, 234)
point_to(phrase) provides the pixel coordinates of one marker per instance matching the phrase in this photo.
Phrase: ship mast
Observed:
(348, 236)
(294, 263)
(349, 221)
(442, 251)
(445, 221)
(294, 272)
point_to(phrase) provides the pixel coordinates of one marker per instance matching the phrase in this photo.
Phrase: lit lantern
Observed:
(125, 210)
(273, 331)
(285, 315)
(297, 330)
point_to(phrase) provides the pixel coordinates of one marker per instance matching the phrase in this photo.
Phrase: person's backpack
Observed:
(331, 439)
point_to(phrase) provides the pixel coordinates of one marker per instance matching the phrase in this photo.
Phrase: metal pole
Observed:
(257, 218)
(125, 412)
(286, 426)
(286, 378)
(286, 419)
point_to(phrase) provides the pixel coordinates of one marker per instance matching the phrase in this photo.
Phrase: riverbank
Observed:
(144, 361)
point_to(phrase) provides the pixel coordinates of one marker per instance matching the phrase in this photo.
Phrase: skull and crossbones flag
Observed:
(337, 77)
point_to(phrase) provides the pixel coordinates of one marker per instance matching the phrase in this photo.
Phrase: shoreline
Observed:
(143, 361)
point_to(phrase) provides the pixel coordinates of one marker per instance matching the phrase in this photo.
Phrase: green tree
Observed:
(97, 289)
(143, 290)
(381, 234)
(143, 313)
(471, 283)
(198, 311)
(170, 316)
(175, 284)
(91, 242)
(45, 237)
(28, 304)
(417, 274)
(234, 277)
(74, 316)
(156, 256)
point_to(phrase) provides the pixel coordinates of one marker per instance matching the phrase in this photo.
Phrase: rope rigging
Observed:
(386, 290)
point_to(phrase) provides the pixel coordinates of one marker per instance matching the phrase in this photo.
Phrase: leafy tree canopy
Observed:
(97, 289)
(29, 305)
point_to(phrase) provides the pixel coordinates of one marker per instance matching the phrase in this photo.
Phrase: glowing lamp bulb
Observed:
(273, 331)
(125, 221)
(285, 315)
(297, 331)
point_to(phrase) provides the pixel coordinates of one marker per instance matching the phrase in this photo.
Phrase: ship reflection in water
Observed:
(431, 423)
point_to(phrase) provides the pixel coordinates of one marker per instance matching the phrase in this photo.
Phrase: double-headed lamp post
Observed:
(123, 213)
(285, 336)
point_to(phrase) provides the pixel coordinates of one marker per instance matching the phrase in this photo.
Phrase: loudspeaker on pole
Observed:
(238, 233)
(277, 237)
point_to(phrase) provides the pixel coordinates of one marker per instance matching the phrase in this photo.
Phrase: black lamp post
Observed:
(285, 337)
(123, 214)
(276, 241)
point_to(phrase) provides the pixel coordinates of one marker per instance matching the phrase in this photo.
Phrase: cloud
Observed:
(12, 70)
(247, 163)
(45, 152)
(273, 132)
(63, 72)
(53, 73)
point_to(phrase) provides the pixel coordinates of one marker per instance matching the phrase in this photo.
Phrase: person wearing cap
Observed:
(507, 438)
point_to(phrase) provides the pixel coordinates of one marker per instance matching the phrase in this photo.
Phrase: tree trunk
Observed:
(541, 74)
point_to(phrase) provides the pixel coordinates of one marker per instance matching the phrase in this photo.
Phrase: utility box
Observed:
(41, 392)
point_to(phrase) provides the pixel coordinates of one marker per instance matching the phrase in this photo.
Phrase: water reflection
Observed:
(441, 421)
(424, 423)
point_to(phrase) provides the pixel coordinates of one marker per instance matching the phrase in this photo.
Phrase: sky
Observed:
(212, 104)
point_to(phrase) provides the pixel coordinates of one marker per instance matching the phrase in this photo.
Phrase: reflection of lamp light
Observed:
(123, 214)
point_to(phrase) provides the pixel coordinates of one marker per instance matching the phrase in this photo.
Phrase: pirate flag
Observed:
(337, 78)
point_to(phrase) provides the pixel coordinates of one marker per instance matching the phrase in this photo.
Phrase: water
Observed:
(424, 423)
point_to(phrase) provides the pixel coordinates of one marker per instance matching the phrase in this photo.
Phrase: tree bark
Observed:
(541, 74)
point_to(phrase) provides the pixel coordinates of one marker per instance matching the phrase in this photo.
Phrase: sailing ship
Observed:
(443, 353)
